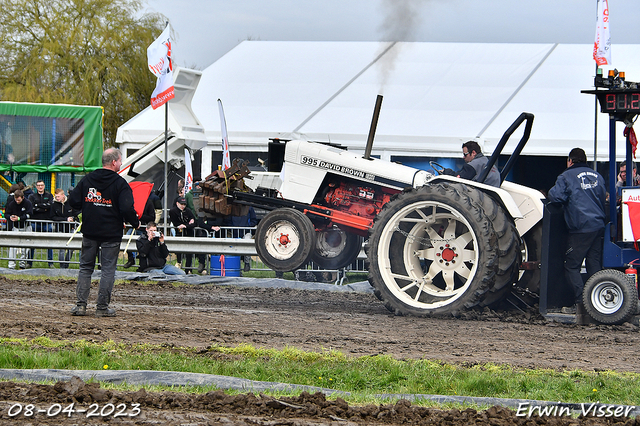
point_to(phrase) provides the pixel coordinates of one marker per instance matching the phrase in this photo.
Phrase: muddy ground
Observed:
(354, 323)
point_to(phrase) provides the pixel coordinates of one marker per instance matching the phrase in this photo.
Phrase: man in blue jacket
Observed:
(106, 202)
(581, 190)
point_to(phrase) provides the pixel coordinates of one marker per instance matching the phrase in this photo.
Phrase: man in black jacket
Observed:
(41, 201)
(106, 202)
(18, 211)
(183, 221)
(153, 252)
(65, 218)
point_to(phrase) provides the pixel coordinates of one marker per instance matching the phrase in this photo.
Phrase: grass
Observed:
(364, 377)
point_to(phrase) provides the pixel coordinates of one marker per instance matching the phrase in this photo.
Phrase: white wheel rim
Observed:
(453, 255)
(525, 257)
(331, 243)
(607, 297)
(282, 240)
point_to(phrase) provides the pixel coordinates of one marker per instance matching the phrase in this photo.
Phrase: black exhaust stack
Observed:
(372, 130)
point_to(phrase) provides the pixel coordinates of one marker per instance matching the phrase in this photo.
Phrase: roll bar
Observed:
(525, 116)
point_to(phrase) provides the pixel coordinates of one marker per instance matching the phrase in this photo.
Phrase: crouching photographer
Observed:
(153, 252)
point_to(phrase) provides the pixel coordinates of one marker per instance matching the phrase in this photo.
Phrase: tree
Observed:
(84, 52)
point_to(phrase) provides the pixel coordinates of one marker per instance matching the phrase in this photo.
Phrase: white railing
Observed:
(59, 239)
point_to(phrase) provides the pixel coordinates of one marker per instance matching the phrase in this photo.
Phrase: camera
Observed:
(156, 234)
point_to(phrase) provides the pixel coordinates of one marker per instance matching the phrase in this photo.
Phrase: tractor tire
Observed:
(335, 248)
(508, 242)
(610, 297)
(432, 251)
(285, 239)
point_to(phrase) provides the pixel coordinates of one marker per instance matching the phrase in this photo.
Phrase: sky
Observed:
(205, 30)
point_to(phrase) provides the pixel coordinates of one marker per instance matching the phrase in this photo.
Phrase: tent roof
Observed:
(436, 95)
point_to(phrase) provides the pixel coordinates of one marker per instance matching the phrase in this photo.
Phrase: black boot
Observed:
(130, 262)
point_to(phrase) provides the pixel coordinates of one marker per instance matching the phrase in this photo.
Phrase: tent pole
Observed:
(595, 120)
(166, 160)
(595, 131)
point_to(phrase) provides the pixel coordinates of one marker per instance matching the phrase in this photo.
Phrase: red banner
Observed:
(141, 191)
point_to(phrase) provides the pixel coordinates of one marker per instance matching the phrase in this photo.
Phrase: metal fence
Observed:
(51, 243)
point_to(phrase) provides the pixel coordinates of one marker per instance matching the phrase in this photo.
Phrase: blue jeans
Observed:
(109, 258)
(168, 270)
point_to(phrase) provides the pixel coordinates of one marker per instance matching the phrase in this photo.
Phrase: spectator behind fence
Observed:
(12, 189)
(153, 252)
(25, 188)
(18, 185)
(183, 222)
(19, 211)
(180, 191)
(622, 176)
(65, 217)
(41, 201)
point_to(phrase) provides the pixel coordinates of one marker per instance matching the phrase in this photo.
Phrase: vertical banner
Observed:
(226, 161)
(188, 172)
(159, 61)
(602, 45)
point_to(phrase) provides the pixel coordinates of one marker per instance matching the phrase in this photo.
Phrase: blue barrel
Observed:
(225, 266)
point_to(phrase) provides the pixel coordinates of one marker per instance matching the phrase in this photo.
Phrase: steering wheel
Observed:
(437, 167)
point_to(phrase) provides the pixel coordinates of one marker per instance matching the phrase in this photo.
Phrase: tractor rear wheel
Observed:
(335, 248)
(610, 297)
(433, 250)
(508, 243)
(285, 239)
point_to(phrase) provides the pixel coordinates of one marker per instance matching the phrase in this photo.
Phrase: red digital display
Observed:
(612, 102)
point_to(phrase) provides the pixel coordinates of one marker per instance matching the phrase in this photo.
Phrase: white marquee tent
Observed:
(436, 96)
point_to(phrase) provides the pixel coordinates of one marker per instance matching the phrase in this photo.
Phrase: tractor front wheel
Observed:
(285, 239)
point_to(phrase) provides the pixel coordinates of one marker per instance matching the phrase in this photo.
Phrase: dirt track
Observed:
(355, 324)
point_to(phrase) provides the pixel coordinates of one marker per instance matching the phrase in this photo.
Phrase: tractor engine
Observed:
(364, 201)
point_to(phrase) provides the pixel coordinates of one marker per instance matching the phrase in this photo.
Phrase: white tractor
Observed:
(436, 244)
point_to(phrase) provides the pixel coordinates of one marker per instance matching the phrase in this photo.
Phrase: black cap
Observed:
(181, 200)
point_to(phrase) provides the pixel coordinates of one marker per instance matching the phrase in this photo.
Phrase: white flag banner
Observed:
(188, 172)
(159, 60)
(226, 161)
(602, 45)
